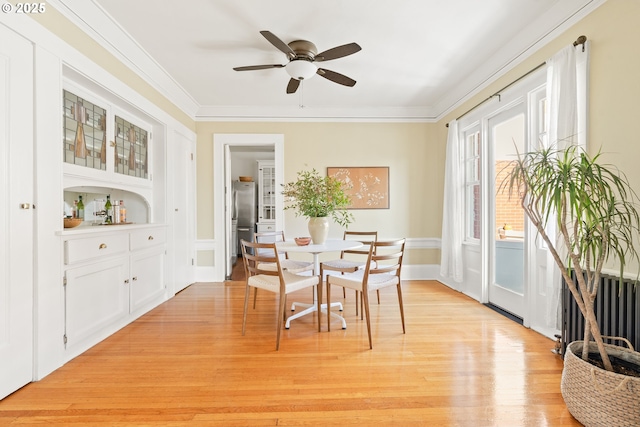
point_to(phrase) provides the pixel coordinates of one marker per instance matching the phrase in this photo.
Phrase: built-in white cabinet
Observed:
(110, 278)
(266, 195)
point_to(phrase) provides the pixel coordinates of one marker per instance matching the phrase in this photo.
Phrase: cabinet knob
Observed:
(25, 206)
(150, 238)
(135, 278)
(102, 246)
(126, 282)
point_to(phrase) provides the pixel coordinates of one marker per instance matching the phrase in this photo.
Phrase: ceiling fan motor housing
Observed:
(302, 67)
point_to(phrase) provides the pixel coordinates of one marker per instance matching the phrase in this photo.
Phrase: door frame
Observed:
(222, 188)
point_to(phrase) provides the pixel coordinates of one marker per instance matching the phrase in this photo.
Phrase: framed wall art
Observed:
(368, 187)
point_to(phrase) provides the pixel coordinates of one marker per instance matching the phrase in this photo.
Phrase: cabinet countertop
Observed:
(95, 229)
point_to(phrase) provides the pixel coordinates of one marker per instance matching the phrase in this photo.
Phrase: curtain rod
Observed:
(580, 40)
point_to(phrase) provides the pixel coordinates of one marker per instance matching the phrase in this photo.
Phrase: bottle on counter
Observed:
(80, 209)
(116, 212)
(123, 212)
(108, 211)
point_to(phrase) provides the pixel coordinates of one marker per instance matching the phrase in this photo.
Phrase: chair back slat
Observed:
(271, 237)
(367, 238)
(257, 254)
(378, 255)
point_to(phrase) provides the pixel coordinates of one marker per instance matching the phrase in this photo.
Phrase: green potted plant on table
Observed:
(593, 208)
(318, 198)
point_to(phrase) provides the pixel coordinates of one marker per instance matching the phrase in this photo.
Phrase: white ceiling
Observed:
(419, 58)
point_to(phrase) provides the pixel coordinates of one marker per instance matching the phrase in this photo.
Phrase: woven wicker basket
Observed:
(597, 397)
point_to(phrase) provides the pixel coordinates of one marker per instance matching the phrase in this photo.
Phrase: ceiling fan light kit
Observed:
(301, 69)
(302, 55)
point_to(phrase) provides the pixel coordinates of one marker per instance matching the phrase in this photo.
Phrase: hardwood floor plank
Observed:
(186, 364)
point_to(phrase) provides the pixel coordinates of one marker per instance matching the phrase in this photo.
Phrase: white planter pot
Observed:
(318, 229)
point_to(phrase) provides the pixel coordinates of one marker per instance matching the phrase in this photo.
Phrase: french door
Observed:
(507, 135)
(16, 213)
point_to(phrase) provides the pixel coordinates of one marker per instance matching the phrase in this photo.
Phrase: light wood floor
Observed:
(187, 364)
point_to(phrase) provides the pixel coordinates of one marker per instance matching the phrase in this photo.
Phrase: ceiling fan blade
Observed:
(282, 46)
(292, 87)
(258, 67)
(336, 77)
(338, 52)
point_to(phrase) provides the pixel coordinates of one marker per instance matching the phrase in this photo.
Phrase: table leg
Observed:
(312, 308)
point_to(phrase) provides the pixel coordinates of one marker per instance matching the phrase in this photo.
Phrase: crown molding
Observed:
(535, 36)
(296, 113)
(100, 26)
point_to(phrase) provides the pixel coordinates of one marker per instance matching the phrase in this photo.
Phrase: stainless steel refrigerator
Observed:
(245, 210)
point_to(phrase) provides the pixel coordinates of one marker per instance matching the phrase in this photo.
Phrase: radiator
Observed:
(617, 307)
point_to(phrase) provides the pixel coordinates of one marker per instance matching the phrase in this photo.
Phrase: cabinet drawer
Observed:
(266, 227)
(148, 237)
(77, 250)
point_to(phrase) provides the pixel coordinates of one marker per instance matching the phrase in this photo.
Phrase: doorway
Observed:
(224, 144)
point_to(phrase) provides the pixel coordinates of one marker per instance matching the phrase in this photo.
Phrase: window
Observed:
(472, 172)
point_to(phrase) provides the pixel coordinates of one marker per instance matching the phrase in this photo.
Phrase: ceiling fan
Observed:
(302, 55)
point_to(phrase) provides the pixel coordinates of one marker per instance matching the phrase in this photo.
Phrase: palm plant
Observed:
(594, 210)
(315, 196)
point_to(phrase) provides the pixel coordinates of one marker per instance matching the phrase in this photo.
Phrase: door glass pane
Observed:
(131, 151)
(509, 226)
(472, 185)
(85, 141)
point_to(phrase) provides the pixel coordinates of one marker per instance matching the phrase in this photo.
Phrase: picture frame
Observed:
(368, 187)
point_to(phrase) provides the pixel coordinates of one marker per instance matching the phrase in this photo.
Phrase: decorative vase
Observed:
(597, 397)
(318, 229)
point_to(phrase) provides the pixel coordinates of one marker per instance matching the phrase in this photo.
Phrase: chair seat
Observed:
(342, 263)
(354, 280)
(290, 265)
(293, 282)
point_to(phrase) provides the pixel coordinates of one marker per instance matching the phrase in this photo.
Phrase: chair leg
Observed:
(255, 297)
(279, 319)
(247, 291)
(365, 298)
(401, 307)
(328, 304)
(319, 301)
(378, 292)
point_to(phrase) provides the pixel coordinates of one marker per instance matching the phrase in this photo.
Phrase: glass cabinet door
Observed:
(267, 191)
(131, 149)
(85, 140)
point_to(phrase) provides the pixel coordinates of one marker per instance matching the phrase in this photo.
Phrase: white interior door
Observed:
(16, 214)
(184, 208)
(228, 213)
(507, 133)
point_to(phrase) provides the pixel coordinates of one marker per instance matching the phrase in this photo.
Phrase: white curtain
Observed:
(452, 210)
(562, 98)
(567, 79)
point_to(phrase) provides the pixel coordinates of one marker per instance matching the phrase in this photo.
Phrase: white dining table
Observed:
(330, 245)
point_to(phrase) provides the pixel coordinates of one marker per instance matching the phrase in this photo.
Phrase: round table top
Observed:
(328, 246)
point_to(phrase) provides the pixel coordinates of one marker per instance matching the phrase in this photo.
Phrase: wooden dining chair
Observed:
(279, 281)
(291, 265)
(383, 268)
(351, 260)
